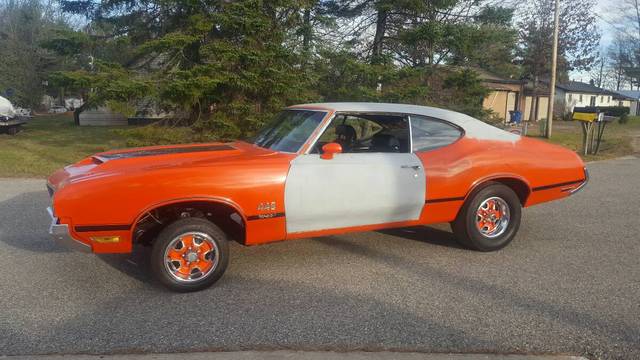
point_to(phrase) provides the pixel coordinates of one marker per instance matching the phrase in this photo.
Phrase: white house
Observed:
(509, 94)
(578, 94)
(630, 99)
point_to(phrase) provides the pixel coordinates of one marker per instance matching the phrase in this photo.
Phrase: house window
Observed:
(570, 97)
(580, 97)
(601, 98)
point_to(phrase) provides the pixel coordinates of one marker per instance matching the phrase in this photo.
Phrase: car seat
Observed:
(345, 136)
(385, 143)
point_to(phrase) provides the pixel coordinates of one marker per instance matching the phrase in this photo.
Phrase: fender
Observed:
(211, 199)
(509, 176)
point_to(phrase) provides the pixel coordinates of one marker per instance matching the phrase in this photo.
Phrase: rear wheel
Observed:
(190, 254)
(490, 218)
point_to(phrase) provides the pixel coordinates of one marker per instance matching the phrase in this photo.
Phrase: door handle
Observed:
(414, 167)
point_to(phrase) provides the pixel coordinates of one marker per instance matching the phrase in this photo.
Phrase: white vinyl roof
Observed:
(473, 128)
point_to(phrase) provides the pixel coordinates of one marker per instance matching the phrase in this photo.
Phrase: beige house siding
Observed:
(511, 103)
(500, 102)
(542, 108)
(504, 95)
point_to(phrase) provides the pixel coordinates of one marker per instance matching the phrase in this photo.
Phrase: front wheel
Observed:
(190, 254)
(489, 219)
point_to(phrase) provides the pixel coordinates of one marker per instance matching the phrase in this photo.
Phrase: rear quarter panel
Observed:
(551, 170)
(453, 171)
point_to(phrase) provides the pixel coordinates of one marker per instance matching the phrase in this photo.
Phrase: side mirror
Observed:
(330, 149)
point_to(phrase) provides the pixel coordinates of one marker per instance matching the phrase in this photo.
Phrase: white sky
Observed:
(607, 13)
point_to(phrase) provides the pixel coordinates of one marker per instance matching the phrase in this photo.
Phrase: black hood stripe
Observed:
(166, 151)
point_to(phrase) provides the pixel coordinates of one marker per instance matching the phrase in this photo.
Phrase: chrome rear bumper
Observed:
(581, 186)
(60, 233)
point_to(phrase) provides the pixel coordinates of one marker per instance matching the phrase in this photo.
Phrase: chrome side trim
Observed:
(60, 233)
(322, 127)
(410, 134)
(584, 183)
(50, 189)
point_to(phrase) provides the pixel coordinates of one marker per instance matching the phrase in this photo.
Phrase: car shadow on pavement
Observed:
(136, 264)
(425, 234)
(229, 317)
(25, 223)
(255, 310)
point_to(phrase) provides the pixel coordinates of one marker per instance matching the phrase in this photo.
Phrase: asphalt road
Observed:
(569, 283)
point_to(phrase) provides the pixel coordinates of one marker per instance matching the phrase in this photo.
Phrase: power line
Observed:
(613, 26)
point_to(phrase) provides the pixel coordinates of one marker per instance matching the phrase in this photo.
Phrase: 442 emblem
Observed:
(267, 206)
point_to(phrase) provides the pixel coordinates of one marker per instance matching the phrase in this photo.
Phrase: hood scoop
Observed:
(102, 158)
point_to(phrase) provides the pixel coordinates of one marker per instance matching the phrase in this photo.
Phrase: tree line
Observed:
(226, 66)
(618, 66)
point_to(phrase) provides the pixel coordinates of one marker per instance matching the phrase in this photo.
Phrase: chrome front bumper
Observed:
(60, 233)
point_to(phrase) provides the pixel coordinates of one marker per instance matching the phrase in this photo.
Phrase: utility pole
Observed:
(554, 65)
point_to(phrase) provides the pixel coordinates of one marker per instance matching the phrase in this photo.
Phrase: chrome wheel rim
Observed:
(492, 217)
(191, 256)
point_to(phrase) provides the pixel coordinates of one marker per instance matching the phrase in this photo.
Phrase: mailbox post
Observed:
(593, 125)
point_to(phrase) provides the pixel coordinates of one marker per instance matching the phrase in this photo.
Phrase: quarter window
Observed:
(429, 133)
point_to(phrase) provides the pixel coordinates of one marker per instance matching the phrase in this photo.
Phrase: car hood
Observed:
(127, 161)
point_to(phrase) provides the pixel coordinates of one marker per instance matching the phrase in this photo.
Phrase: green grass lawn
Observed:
(47, 143)
(617, 139)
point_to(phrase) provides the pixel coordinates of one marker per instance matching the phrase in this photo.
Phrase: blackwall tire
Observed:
(489, 219)
(190, 254)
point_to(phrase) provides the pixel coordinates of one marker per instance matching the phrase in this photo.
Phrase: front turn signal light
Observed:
(105, 239)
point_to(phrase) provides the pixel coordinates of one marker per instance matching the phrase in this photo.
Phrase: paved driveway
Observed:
(569, 283)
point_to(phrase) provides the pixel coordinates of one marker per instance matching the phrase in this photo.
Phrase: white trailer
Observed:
(10, 120)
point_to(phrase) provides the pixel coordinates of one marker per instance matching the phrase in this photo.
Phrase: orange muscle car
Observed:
(316, 169)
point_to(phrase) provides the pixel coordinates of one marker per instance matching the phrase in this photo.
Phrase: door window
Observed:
(367, 133)
(429, 133)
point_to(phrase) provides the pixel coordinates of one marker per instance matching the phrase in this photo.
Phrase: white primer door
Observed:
(353, 189)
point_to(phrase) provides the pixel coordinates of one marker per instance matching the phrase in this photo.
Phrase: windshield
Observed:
(289, 130)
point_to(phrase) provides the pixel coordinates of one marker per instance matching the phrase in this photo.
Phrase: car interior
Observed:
(367, 133)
